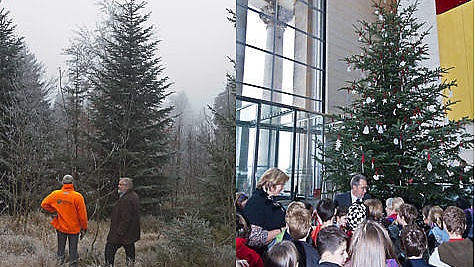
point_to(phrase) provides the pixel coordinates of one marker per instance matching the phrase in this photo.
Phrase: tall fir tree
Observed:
(127, 103)
(396, 131)
(31, 140)
(219, 185)
(11, 48)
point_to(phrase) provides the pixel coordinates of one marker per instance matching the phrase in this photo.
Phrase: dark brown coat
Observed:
(125, 221)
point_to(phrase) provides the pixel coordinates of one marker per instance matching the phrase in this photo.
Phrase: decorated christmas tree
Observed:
(396, 131)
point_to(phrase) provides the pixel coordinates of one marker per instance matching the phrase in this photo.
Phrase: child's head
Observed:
(454, 220)
(393, 204)
(293, 206)
(425, 213)
(332, 245)
(371, 245)
(242, 227)
(375, 208)
(325, 209)
(282, 254)
(407, 214)
(435, 216)
(240, 201)
(299, 222)
(414, 241)
(341, 214)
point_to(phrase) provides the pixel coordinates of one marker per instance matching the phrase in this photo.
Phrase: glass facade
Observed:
(280, 73)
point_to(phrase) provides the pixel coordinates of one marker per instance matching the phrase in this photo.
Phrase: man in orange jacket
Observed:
(70, 218)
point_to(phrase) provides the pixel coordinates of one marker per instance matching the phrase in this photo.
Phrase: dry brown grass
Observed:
(34, 243)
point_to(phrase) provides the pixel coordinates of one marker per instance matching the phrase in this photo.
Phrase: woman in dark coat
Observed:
(261, 209)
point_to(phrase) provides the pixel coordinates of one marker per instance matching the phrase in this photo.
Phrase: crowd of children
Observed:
(359, 235)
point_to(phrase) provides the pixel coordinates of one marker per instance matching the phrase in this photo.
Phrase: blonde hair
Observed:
(393, 203)
(294, 205)
(370, 246)
(435, 216)
(299, 221)
(271, 178)
(375, 208)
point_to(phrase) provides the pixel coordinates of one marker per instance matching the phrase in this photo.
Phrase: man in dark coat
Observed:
(125, 224)
(359, 186)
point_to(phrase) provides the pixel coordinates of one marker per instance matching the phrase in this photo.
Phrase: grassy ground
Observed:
(34, 243)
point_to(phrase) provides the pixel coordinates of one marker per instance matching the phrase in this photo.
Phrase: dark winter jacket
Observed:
(327, 264)
(262, 211)
(307, 254)
(125, 221)
(344, 199)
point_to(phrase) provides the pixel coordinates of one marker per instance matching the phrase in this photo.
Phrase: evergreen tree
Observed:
(396, 131)
(219, 184)
(31, 140)
(25, 125)
(127, 104)
(11, 47)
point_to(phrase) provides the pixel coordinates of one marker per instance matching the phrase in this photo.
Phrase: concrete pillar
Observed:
(272, 79)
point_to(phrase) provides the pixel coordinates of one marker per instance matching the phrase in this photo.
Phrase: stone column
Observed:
(273, 69)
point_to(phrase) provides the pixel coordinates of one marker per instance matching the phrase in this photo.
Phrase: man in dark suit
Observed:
(359, 187)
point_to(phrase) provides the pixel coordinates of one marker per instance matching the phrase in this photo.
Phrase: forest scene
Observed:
(114, 115)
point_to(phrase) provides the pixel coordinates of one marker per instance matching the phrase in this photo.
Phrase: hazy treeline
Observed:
(114, 115)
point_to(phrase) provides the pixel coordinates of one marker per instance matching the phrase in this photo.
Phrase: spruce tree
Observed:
(127, 104)
(11, 48)
(396, 131)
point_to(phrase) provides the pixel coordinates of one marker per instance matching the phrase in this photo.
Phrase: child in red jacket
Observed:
(243, 252)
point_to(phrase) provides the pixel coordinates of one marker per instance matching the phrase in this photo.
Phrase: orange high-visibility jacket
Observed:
(70, 209)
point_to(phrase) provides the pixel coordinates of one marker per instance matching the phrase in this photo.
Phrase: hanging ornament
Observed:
(399, 105)
(366, 129)
(460, 182)
(402, 64)
(380, 17)
(338, 143)
(380, 129)
(385, 101)
(372, 163)
(456, 163)
(376, 175)
(394, 112)
(362, 163)
(400, 141)
(368, 100)
(429, 165)
(396, 141)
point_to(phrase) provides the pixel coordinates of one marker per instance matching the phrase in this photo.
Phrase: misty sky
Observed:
(196, 38)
